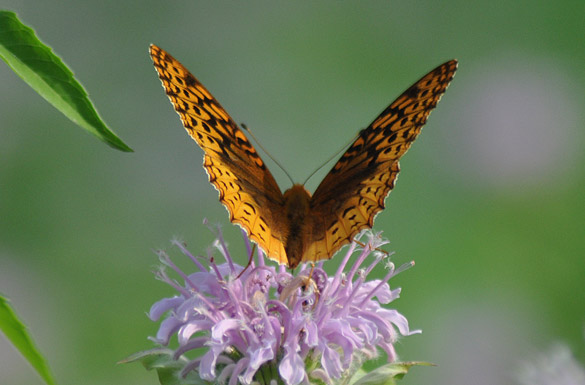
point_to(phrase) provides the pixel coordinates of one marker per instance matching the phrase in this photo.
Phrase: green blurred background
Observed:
(489, 204)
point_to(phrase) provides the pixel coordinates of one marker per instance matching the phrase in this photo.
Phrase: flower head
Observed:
(263, 323)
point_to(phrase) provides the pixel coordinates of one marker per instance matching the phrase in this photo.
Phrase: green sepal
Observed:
(167, 368)
(385, 375)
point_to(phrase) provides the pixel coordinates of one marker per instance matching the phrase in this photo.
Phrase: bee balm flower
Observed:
(265, 325)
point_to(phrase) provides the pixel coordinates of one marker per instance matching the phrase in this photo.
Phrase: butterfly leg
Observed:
(310, 284)
(303, 282)
(377, 248)
(249, 261)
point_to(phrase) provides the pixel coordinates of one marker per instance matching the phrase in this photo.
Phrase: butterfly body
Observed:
(296, 226)
(297, 209)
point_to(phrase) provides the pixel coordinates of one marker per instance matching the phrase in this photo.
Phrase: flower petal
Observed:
(166, 329)
(311, 333)
(330, 361)
(220, 330)
(162, 306)
(292, 368)
(192, 327)
(257, 358)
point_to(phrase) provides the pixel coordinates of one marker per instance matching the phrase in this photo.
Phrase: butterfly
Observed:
(297, 227)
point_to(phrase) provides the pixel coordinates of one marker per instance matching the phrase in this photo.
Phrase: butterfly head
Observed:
(297, 198)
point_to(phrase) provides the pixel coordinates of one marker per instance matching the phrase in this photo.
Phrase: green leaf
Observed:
(37, 65)
(167, 368)
(387, 374)
(17, 333)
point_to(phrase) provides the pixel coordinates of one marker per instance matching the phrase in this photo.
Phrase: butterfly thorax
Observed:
(296, 207)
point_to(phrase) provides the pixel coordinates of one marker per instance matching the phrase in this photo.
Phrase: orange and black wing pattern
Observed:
(354, 191)
(246, 187)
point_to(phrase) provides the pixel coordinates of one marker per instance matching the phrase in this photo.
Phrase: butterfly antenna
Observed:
(346, 145)
(267, 153)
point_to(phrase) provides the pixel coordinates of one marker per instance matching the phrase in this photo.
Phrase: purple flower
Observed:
(264, 323)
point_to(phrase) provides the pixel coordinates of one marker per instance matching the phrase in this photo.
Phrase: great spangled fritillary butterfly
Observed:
(296, 227)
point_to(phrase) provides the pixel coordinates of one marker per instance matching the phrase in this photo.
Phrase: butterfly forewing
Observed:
(246, 187)
(354, 191)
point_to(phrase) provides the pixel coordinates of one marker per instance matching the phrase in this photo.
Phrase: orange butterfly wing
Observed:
(354, 191)
(246, 187)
